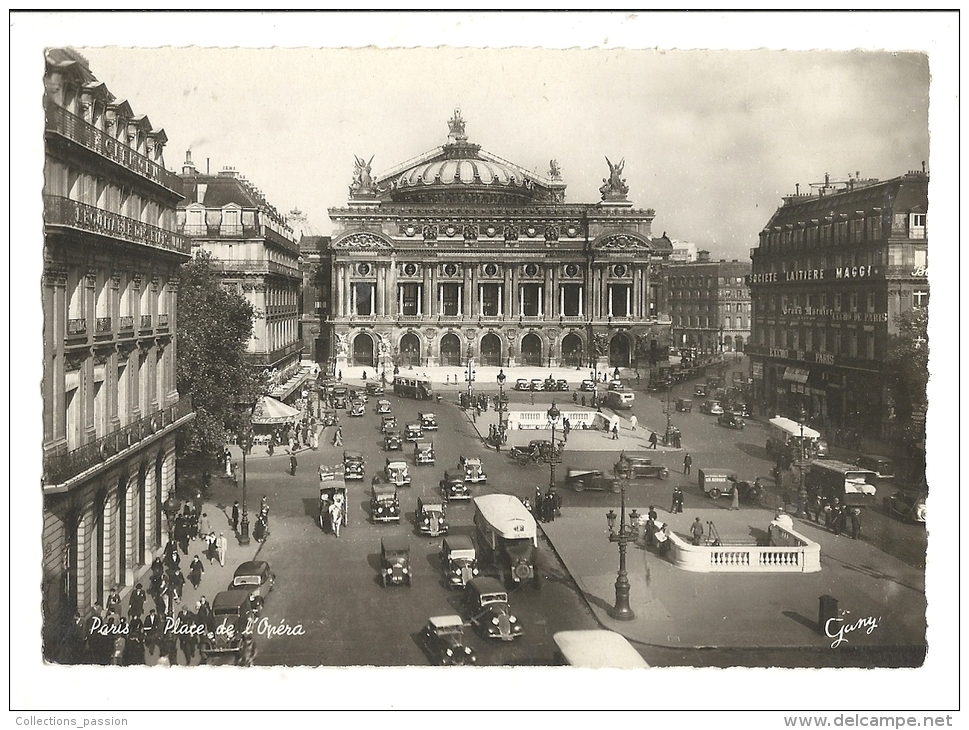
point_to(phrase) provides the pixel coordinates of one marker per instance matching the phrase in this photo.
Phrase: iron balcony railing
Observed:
(146, 321)
(58, 468)
(268, 358)
(62, 122)
(77, 326)
(127, 323)
(273, 267)
(163, 321)
(60, 211)
(102, 325)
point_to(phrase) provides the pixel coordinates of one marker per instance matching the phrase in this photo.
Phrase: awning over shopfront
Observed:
(284, 391)
(270, 411)
(796, 375)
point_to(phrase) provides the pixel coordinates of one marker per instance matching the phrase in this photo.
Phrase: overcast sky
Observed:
(711, 139)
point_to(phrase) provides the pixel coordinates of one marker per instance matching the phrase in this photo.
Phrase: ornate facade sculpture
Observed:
(363, 184)
(342, 344)
(614, 188)
(601, 342)
(554, 172)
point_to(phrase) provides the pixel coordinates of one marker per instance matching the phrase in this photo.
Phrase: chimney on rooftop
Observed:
(188, 168)
(703, 256)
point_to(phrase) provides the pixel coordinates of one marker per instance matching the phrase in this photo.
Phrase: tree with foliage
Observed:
(907, 375)
(214, 327)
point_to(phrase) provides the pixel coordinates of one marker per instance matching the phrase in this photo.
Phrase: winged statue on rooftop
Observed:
(363, 183)
(614, 187)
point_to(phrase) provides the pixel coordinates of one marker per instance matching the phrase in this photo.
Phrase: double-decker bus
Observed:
(419, 388)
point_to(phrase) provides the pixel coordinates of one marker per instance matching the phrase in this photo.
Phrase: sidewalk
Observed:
(677, 608)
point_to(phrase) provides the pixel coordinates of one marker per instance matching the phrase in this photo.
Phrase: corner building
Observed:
(460, 254)
(833, 271)
(110, 286)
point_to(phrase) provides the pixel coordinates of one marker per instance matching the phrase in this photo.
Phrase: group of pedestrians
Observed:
(546, 506)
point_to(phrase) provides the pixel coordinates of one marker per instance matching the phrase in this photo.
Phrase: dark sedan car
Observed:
(642, 467)
(443, 640)
(256, 577)
(393, 441)
(353, 465)
(592, 480)
(487, 602)
(908, 505)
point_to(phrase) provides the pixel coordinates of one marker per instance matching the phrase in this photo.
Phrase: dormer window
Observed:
(916, 225)
(231, 222)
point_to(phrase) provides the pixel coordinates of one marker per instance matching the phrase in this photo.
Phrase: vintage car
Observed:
(256, 577)
(423, 452)
(684, 405)
(659, 385)
(487, 602)
(523, 384)
(430, 517)
(443, 640)
(329, 473)
(587, 386)
(428, 420)
(459, 560)
(700, 391)
(394, 561)
(473, 470)
(881, 465)
(712, 407)
(537, 384)
(741, 409)
(358, 394)
(388, 422)
(642, 467)
(591, 479)
(353, 467)
(233, 619)
(357, 408)
(338, 396)
(393, 441)
(397, 473)
(413, 432)
(329, 418)
(562, 385)
(384, 504)
(908, 505)
(453, 486)
(729, 419)
(383, 406)
(374, 389)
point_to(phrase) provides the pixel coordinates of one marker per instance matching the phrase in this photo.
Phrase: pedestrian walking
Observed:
(583, 401)
(575, 397)
(203, 612)
(221, 547)
(152, 626)
(136, 602)
(537, 505)
(195, 570)
(112, 602)
(615, 432)
(210, 551)
(227, 458)
(735, 497)
(697, 531)
(292, 465)
(338, 436)
(264, 504)
(271, 447)
(687, 463)
(652, 439)
(855, 523)
(235, 516)
(314, 440)
(633, 422)
(677, 501)
(177, 580)
(651, 514)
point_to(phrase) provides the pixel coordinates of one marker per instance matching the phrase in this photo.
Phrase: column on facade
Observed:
(390, 284)
(349, 290)
(581, 310)
(548, 295)
(501, 300)
(373, 298)
(629, 304)
(400, 301)
(637, 310)
(427, 291)
(510, 280)
(467, 290)
(340, 295)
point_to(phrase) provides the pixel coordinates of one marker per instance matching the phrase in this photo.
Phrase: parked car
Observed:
(357, 394)
(388, 422)
(374, 389)
(394, 561)
(428, 420)
(487, 602)
(233, 619)
(642, 467)
(459, 560)
(537, 384)
(592, 480)
(562, 385)
(473, 470)
(256, 577)
(423, 452)
(393, 441)
(358, 408)
(587, 386)
(353, 465)
(454, 487)
(523, 384)
(443, 640)
(908, 505)
(741, 409)
(338, 397)
(729, 419)
(711, 407)
(384, 503)
(430, 517)
(413, 432)
(397, 473)
(383, 406)
(700, 391)
(329, 418)
(684, 405)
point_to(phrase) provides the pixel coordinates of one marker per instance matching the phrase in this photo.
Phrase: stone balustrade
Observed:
(788, 552)
(522, 420)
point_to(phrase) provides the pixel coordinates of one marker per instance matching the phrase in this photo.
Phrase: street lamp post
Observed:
(621, 611)
(553, 417)
(470, 376)
(247, 407)
(501, 399)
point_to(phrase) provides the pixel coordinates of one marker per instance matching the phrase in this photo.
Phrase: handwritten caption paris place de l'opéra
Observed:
(228, 628)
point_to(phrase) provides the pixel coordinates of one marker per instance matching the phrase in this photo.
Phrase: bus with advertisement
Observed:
(410, 387)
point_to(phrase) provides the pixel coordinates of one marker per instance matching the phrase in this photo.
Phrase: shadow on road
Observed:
(803, 620)
(758, 452)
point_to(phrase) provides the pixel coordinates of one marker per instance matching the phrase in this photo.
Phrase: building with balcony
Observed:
(459, 254)
(110, 285)
(710, 305)
(314, 297)
(256, 252)
(833, 270)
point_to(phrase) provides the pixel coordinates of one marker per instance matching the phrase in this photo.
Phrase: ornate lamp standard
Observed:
(470, 375)
(621, 611)
(553, 414)
(501, 398)
(245, 440)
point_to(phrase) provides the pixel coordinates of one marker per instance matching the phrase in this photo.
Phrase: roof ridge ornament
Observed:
(614, 189)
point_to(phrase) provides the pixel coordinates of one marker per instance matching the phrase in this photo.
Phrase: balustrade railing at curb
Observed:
(789, 552)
